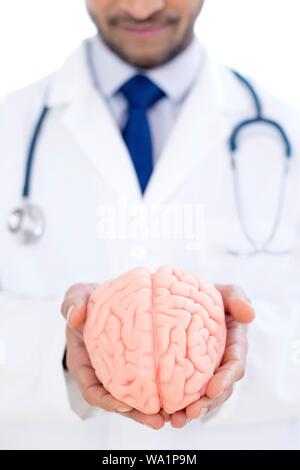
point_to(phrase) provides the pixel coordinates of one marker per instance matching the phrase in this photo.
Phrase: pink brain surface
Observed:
(155, 340)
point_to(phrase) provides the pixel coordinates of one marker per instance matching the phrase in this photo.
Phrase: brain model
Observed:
(156, 339)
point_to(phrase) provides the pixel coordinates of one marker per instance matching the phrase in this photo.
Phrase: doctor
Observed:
(146, 75)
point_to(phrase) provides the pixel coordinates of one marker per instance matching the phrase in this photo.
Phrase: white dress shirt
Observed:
(175, 78)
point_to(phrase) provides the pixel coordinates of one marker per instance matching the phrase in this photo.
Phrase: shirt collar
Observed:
(112, 72)
(73, 81)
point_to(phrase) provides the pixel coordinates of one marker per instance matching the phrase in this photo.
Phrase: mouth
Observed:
(143, 30)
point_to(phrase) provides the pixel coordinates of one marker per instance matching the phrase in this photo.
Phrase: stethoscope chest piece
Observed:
(26, 223)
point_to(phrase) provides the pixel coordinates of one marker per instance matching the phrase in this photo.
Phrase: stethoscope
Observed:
(259, 118)
(27, 222)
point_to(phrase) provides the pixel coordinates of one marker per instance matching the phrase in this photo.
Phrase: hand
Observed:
(238, 313)
(74, 310)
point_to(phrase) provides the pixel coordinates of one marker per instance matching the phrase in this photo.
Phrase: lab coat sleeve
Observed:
(32, 344)
(32, 330)
(269, 392)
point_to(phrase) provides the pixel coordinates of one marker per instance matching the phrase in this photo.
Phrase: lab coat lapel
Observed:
(201, 126)
(90, 123)
(199, 129)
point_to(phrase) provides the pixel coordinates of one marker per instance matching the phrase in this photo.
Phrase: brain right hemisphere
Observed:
(155, 339)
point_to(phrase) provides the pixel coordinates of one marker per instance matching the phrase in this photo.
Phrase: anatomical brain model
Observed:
(156, 339)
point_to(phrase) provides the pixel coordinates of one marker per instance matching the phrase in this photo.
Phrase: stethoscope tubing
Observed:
(32, 151)
(233, 147)
(233, 144)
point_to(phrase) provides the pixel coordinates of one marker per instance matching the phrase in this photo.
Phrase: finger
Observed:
(178, 419)
(199, 408)
(224, 397)
(234, 361)
(165, 416)
(205, 405)
(237, 304)
(80, 368)
(96, 395)
(153, 421)
(94, 392)
(74, 307)
(224, 378)
(76, 314)
(218, 402)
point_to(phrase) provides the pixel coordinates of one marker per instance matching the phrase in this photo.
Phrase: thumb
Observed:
(237, 304)
(75, 304)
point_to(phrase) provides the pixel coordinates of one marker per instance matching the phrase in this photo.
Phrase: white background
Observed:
(259, 37)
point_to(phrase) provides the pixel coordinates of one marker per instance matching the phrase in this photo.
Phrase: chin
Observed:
(144, 59)
(144, 62)
(146, 56)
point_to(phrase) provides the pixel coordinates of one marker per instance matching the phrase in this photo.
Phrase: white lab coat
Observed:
(82, 162)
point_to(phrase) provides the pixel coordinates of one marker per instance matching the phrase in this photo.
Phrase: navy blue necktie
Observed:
(141, 94)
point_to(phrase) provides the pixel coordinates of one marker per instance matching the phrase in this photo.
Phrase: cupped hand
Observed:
(74, 310)
(239, 313)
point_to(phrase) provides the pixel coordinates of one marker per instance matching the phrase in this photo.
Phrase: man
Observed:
(147, 115)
